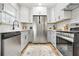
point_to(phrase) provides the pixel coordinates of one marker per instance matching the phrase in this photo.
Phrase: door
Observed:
(39, 28)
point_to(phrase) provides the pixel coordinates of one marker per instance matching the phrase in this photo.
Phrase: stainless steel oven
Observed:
(64, 42)
(68, 42)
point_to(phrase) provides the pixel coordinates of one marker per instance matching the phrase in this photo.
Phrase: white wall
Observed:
(60, 26)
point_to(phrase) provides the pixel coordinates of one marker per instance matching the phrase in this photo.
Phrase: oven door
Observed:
(64, 46)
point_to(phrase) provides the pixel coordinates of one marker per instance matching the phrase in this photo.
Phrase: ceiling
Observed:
(30, 5)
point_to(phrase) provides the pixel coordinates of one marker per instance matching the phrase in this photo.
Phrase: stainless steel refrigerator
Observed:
(40, 29)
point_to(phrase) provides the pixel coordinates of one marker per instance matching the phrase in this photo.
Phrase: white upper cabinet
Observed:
(0, 6)
(65, 15)
(39, 11)
(57, 13)
(10, 9)
(60, 14)
(51, 15)
(8, 13)
(24, 14)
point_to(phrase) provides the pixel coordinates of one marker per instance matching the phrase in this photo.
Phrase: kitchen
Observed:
(25, 27)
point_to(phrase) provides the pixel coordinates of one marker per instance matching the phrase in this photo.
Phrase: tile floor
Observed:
(39, 50)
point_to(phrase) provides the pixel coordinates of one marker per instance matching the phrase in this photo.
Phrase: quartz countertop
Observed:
(69, 31)
(13, 31)
(51, 30)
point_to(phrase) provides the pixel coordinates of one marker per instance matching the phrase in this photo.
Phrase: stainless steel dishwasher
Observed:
(10, 44)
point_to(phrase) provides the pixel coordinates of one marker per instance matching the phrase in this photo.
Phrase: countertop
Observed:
(69, 31)
(12, 31)
(63, 31)
(51, 30)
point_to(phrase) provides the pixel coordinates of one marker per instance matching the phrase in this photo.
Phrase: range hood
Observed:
(71, 6)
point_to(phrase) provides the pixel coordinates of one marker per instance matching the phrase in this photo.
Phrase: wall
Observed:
(60, 26)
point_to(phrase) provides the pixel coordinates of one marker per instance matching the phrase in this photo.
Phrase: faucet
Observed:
(15, 22)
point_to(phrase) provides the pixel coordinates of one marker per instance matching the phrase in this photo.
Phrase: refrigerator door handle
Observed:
(39, 19)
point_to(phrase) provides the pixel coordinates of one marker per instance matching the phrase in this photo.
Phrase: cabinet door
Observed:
(49, 36)
(61, 15)
(8, 14)
(3, 17)
(43, 11)
(30, 36)
(39, 11)
(8, 18)
(9, 8)
(24, 39)
(59, 12)
(0, 6)
(24, 14)
(53, 38)
(65, 15)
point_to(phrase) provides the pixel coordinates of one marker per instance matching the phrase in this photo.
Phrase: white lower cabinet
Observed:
(24, 39)
(51, 36)
(31, 36)
(48, 35)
